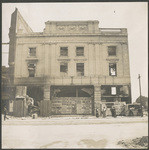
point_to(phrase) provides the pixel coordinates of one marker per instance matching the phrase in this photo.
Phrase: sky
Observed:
(130, 15)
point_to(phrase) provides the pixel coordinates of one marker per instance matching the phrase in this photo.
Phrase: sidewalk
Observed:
(80, 120)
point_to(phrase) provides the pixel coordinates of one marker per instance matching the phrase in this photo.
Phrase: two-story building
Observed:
(76, 65)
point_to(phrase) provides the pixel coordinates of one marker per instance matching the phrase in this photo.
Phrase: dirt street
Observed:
(104, 135)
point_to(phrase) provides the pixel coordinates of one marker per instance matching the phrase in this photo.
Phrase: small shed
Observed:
(20, 107)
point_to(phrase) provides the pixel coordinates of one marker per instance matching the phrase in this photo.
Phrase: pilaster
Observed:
(47, 92)
(21, 90)
(97, 98)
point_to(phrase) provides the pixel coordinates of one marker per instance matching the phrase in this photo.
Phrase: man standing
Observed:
(104, 112)
(5, 113)
(112, 111)
(97, 113)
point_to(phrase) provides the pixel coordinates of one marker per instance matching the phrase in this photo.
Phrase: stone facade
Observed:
(37, 58)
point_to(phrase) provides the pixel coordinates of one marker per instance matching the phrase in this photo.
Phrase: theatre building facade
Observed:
(72, 67)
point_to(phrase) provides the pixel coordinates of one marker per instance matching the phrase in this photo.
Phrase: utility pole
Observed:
(140, 92)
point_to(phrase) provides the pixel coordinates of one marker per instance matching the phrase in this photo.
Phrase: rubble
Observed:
(141, 142)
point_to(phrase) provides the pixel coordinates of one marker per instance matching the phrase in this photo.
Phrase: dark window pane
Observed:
(80, 69)
(31, 69)
(63, 67)
(112, 50)
(85, 91)
(32, 51)
(31, 73)
(80, 51)
(64, 51)
(64, 91)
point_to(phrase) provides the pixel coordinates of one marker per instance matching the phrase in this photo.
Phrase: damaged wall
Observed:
(112, 93)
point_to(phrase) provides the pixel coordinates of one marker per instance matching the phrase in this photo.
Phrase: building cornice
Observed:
(86, 42)
(67, 35)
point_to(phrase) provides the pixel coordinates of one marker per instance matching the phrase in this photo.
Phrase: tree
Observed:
(144, 101)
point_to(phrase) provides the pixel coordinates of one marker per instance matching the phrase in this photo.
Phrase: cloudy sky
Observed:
(130, 15)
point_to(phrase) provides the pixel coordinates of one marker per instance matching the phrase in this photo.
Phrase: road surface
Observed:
(64, 133)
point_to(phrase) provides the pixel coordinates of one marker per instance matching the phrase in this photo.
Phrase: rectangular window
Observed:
(31, 69)
(112, 69)
(64, 68)
(64, 51)
(80, 51)
(112, 50)
(80, 69)
(32, 51)
(113, 90)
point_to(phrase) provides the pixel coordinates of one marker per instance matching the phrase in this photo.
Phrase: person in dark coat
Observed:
(97, 113)
(140, 112)
(5, 113)
(104, 112)
(112, 111)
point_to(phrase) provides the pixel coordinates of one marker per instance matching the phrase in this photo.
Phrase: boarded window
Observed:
(64, 68)
(112, 69)
(31, 69)
(32, 51)
(64, 51)
(113, 90)
(80, 51)
(80, 69)
(112, 50)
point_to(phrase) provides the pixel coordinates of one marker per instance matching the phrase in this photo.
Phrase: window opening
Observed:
(64, 51)
(80, 69)
(64, 68)
(80, 51)
(112, 50)
(113, 90)
(71, 91)
(32, 51)
(112, 69)
(31, 69)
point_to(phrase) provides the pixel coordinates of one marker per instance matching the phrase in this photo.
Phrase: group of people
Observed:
(103, 112)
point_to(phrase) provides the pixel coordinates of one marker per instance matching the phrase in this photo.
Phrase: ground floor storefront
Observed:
(74, 99)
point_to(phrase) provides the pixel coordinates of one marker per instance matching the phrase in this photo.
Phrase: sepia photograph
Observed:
(74, 75)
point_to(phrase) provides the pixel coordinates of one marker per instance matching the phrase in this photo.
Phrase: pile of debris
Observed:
(119, 107)
(135, 143)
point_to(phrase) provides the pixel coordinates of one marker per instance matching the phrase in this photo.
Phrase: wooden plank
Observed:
(45, 108)
(19, 109)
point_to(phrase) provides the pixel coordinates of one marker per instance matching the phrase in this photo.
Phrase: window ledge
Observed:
(112, 56)
(112, 59)
(80, 59)
(63, 56)
(31, 59)
(80, 56)
(63, 59)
